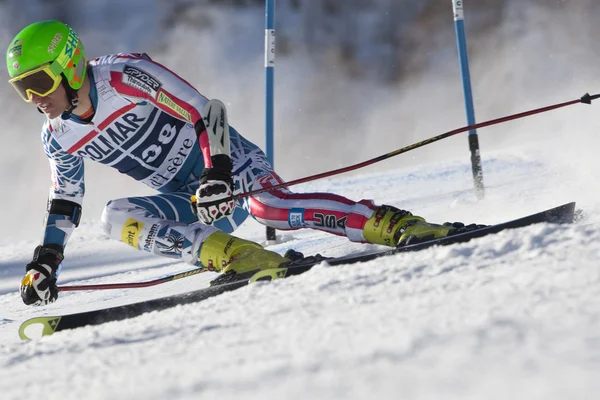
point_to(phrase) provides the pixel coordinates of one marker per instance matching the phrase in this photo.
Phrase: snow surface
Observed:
(514, 315)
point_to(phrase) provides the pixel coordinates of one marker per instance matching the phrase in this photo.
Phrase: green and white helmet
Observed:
(41, 55)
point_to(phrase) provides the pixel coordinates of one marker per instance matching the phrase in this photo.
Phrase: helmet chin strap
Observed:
(73, 101)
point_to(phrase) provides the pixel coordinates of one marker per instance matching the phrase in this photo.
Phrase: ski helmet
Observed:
(43, 55)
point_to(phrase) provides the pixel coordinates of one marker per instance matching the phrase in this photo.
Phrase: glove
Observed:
(38, 287)
(214, 197)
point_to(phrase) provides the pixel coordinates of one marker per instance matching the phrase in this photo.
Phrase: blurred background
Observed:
(354, 79)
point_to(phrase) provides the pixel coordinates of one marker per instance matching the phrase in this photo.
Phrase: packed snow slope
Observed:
(513, 315)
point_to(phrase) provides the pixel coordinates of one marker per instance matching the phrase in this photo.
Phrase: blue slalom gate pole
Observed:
(461, 41)
(269, 91)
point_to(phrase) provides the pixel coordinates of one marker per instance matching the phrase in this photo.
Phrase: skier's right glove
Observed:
(38, 287)
(214, 197)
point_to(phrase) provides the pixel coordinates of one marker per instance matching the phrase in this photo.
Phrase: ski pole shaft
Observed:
(133, 285)
(463, 58)
(586, 99)
(270, 93)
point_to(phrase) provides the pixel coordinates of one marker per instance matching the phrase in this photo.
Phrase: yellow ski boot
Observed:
(230, 254)
(390, 226)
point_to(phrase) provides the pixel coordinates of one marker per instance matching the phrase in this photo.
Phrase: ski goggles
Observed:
(41, 81)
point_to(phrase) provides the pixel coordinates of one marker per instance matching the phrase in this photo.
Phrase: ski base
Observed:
(225, 283)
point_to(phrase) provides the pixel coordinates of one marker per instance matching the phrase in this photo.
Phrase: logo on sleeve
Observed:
(141, 80)
(104, 91)
(169, 103)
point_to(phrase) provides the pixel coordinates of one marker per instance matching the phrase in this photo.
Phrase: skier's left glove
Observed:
(38, 287)
(214, 197)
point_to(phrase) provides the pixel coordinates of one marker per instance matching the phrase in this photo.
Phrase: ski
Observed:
(558, 215)
(225, 283)
(52, 324)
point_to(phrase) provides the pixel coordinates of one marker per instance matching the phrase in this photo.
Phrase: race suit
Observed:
(144, 127)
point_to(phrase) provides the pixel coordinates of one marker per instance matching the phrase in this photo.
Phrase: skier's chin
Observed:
(51, 113)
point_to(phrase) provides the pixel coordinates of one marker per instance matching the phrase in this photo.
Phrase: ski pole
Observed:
(586, 99)
(131, 285)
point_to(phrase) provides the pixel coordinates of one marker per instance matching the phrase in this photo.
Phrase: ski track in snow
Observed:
(513, 315)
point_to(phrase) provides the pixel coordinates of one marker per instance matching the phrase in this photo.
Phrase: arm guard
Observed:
(67, 208)
(62, 218)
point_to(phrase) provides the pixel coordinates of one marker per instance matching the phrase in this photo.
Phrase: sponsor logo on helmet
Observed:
(169, 103)
(16, 49)
(72, 41)
(16, 66)
(141, 80)
(131, 232)
(54, 42)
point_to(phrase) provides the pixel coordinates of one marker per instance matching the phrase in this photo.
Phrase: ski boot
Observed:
(232, 255)
(390, 226)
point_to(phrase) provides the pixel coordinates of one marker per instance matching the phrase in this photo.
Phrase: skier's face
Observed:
(54, 104)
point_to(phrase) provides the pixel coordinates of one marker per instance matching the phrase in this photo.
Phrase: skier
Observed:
(133, 114)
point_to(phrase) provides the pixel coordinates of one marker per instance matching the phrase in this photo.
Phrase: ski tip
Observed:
(35, 328)
(564, 214)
